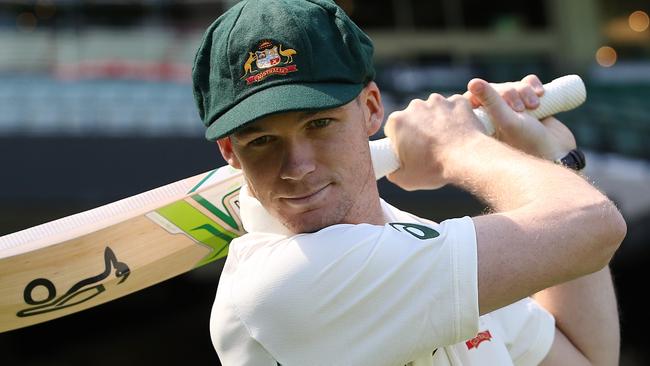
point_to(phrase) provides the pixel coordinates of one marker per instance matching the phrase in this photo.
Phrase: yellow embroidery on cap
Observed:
(248, 64)
(268, 57)
(288, 53)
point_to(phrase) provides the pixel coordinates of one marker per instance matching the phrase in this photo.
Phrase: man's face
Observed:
(312, 169)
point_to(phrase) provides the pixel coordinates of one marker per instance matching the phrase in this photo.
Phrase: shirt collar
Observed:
(256, 219)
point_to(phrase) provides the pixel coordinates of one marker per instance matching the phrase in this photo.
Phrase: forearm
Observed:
(550, 206)
(586, 312)
(551, 224)
(508, 179)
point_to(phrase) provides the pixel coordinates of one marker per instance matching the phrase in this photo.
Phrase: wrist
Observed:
(556, 151)
(464, 157)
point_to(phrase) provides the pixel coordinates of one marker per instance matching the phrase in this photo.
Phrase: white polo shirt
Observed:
(402, 293)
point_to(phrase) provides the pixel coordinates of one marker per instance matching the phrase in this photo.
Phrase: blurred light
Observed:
(639, 21)
(26, 21)
(606, 56)
(45, 9)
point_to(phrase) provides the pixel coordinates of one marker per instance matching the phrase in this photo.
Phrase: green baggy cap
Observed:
(269, 56)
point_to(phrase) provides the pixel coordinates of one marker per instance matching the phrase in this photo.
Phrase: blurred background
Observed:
(96, 105)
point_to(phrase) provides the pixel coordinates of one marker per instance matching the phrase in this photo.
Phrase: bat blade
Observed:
(86, 259)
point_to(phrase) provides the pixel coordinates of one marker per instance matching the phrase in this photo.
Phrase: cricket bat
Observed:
(83, 260)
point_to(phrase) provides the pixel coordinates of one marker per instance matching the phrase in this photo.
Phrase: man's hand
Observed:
(548, 139)
(424, 136)
(426, 131)
(520, 95)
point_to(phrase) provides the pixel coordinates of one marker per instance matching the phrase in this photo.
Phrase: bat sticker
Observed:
(79, 291)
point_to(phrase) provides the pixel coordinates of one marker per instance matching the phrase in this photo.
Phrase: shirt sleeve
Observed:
(230, 338)
(529, 330)
(360, 294)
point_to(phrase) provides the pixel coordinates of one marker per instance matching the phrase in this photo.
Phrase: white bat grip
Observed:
(560, 95)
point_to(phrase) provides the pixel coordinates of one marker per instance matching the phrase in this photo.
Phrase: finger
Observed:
(436, 98)
(528, 95)
(494, 105)
(389, 126)
(459, 99)
(555, 125)
(563, 135)
(513, 98)
(535, 83)
(472, 99)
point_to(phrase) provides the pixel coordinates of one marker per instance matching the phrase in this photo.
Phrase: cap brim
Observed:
(282, 98)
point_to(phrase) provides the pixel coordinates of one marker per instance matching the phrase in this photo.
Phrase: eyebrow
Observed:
(302, 115)
(246, 131)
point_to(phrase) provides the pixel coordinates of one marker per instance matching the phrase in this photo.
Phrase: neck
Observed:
(368, 208)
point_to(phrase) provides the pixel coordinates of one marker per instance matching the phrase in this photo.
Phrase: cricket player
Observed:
(330, 274)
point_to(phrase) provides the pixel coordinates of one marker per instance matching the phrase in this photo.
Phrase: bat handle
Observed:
(560, 95)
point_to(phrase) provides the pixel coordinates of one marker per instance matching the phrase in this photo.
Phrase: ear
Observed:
(225, 146)
(373, 108)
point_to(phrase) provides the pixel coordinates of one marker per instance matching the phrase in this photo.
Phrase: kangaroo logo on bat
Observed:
(80, 292)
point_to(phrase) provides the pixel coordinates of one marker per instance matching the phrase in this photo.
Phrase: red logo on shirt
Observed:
(480, 337)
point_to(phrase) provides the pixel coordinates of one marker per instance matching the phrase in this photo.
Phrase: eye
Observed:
(319, 123)
(261, 141)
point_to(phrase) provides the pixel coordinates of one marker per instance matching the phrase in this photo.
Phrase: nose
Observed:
(298, 159)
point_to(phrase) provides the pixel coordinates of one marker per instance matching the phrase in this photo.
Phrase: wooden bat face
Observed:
(127, 249)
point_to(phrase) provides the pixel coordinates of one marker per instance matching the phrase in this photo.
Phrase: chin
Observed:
(305, 227)
(310, 222)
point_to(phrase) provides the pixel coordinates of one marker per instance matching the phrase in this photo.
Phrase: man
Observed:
(329, 274)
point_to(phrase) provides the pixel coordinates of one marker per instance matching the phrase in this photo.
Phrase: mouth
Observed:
(303, 201)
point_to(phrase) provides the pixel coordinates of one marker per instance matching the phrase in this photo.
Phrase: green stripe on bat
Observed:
(202, 180)
(200, 227)
(226, 217)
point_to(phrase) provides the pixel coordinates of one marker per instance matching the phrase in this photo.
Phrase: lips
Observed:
(305, 201)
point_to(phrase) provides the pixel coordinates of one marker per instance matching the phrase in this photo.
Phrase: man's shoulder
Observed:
(341, 237)
(396, 215)
(340, 244)
(258, 243)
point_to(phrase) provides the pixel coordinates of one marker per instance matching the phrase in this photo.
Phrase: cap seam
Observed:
(305, 40)
(232, 77)
(196, 86)
(350, 27)
(351, 32)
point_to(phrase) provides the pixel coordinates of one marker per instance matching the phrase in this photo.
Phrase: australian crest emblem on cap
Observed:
(269, 58)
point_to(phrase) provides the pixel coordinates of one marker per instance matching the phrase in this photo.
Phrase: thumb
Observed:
(494, 105)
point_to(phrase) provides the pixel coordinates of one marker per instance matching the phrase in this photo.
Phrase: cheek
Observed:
(255, 165)
(257, 188)
(259, 177)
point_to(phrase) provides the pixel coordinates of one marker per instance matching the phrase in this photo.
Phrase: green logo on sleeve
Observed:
(419, 231)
